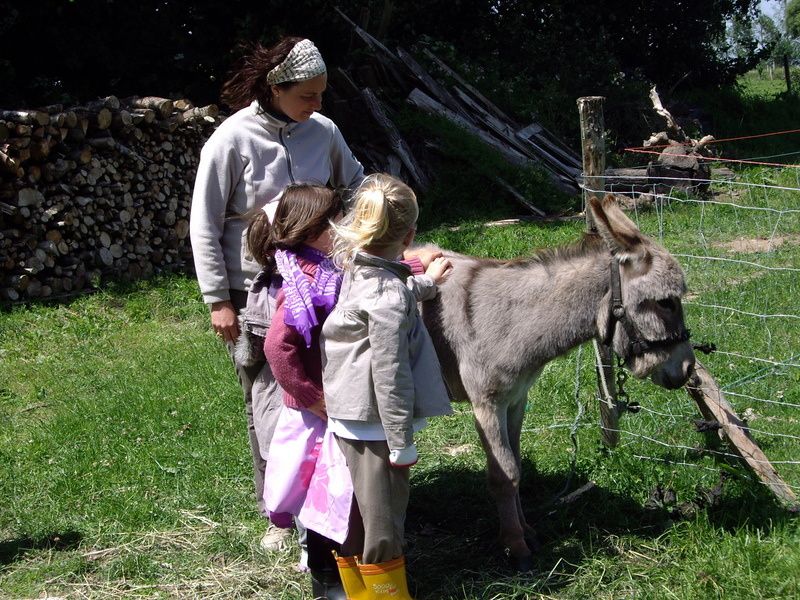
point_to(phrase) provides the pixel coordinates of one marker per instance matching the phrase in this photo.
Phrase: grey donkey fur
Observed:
(495, 324)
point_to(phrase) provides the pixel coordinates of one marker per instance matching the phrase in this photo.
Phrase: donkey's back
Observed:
(474, 322)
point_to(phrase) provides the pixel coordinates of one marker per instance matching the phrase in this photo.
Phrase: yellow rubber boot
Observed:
(351, 578)
(386, 580)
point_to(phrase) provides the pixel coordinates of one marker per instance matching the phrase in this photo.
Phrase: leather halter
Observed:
(618, 314)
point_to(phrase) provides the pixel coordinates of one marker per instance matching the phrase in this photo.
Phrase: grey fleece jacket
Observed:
(245, 164)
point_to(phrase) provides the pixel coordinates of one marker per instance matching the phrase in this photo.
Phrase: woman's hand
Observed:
(439, 269)
(224, 321)
(425, 255)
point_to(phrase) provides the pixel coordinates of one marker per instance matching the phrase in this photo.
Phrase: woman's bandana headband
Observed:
(303, 62)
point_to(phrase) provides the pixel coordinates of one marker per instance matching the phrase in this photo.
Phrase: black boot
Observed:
(326, 585)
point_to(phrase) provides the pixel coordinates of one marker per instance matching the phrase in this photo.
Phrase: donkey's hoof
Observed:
(532, 541)
(521, 564)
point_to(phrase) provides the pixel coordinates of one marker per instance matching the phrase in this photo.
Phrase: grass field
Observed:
(125, 469)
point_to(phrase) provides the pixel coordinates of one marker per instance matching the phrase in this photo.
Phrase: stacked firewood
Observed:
(96, 190)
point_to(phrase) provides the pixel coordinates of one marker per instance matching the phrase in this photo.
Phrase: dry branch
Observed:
(672, 126)
(712, 404)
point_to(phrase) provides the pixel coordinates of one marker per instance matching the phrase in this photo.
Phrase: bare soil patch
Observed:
(744, 245)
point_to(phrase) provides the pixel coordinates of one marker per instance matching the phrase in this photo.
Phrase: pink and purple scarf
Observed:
(302, 294)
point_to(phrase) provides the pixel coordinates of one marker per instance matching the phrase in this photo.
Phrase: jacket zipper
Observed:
(288, 156)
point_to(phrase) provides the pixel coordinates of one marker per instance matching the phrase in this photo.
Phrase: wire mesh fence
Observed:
(738, 243)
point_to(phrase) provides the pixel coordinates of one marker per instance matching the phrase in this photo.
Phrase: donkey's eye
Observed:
(667, 303)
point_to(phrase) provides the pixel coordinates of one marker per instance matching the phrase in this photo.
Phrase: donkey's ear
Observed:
(620, 233)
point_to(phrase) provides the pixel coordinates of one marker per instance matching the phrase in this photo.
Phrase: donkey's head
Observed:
(642, 316)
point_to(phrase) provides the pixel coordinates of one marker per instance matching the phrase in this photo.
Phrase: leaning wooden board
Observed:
(706, 392)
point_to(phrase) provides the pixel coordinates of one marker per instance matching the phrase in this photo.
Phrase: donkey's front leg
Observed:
(516, 416)
(491, 420)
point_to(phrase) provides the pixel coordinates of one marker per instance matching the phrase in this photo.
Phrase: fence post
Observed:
(593, 150)
(590, 110)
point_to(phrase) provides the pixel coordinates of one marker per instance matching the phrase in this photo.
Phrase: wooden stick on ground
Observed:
(712, 404)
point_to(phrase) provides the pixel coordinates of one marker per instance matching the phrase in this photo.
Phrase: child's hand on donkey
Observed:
(425, 255)
(439, 269)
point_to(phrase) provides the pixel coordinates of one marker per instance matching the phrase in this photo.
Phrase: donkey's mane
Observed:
(590, 243)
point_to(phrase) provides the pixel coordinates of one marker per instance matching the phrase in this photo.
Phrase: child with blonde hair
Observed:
(381, 379)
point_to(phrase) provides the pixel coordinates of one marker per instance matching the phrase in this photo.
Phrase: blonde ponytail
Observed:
(384, 210)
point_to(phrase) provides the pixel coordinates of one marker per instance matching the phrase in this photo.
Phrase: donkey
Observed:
(496, 323)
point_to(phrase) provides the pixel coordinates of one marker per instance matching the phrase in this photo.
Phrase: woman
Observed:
(275, 138)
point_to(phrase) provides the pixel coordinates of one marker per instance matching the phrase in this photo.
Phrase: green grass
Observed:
(753, 107)
(126, 470)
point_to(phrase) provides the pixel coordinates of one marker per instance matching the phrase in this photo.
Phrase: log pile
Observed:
(96, 190)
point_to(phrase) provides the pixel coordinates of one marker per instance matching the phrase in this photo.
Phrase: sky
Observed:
(771, 8)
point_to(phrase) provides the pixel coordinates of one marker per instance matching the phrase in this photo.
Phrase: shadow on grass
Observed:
(452, 530)
(14, 550)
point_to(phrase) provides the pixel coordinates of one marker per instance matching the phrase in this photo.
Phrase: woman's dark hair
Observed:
(247, 80)
(304, 212)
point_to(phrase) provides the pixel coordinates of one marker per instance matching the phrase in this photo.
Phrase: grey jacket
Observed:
(245, 164)
(378, 360)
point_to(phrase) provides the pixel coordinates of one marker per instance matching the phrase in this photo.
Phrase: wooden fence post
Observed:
(590, 110)
(593, 150)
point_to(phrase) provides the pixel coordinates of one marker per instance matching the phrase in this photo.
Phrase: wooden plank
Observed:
(547, 139)
(638, 179)
(396, 141)
(556, 141)
(520, 198)
(424, 102)
(545, 143)
(387, 58)
(567, 170)
(628, 180)
(366, 37)
(434, 87)
(712, 404)
(421, 100)
(480, 97)
(532, 129)
(503, 130)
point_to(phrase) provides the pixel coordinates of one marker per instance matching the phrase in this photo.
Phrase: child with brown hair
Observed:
(295, 246)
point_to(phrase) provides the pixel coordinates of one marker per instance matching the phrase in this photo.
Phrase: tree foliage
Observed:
(793, 18)
(57, 50)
